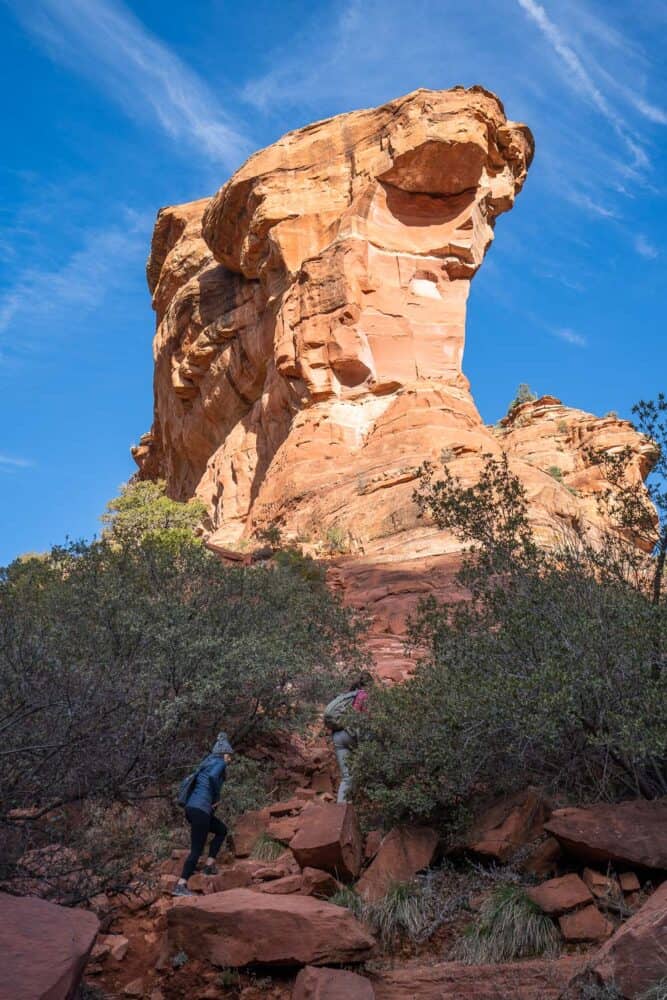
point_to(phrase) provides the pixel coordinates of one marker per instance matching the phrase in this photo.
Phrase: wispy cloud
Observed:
(588, 203)
(577, 75)
(570, 336)
(106, 42)
(650, 111)
(37, 297)
(645, 248)
(8, 462)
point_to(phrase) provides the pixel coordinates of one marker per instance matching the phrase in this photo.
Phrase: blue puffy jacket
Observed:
(208, 783)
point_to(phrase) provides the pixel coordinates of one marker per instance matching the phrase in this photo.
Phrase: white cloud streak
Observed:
(104, 41)
(645, 248)
(38, 298)
(570, 336)
(8, 462)
(650, 111)
(577, 75)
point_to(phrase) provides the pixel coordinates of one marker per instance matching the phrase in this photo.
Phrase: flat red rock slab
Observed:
(532, 980)
(628, 833)
(560, 894)
(243, 927)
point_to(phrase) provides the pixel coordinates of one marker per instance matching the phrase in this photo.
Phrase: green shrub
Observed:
(143, 508)
(267, 848)
(271, 535)
(556, 472)
(550, 673)
(509, 926)
(337, 540)
(121, 659)
(524, 394)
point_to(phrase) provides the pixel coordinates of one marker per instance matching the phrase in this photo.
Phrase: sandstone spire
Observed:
(310, 335)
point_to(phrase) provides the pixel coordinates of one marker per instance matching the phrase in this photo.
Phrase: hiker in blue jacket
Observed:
(199, 812)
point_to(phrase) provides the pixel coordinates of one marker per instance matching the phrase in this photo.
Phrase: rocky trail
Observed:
(264, 927)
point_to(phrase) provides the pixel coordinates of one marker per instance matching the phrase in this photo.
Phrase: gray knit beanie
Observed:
(222, 745)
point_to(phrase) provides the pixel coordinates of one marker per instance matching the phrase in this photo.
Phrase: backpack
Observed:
(336, 709)
(186, 788)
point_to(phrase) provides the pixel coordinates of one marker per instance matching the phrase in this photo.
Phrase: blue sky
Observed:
(111, 110)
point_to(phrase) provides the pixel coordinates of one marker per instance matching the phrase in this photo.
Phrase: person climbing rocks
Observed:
(344, 739)
(199, 794)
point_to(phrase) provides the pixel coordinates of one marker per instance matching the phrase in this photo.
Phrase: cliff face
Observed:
(310, 333)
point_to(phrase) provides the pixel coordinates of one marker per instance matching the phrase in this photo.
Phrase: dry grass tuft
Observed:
(509, 925)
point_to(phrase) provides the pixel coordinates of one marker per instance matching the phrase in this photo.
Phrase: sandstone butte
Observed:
(309, 344)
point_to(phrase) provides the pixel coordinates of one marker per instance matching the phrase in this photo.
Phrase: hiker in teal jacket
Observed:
(199, 812)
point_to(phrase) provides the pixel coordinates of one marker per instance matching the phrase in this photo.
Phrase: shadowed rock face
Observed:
(310, 334)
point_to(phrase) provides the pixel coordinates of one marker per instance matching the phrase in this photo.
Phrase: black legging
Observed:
(201, 824)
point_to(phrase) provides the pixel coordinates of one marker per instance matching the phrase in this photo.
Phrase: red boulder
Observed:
(242, 927)
(43, 947)
(510, 823)
(329, 839)
(636, 956)
(331, 984)
(282, 886)
(585, 925)
(560, 894)
(247, 830)
(402, 853)
(318, 883)
(629, 833)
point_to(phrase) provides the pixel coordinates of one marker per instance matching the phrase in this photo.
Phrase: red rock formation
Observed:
(584, 925)
(560, 894)
(402, 853)
(510, 823)
(636, 956)
(537, 979)
(627, 833)
(240, 927)
(331, 984)
(44, 948)
(330, 840)
(310, 333)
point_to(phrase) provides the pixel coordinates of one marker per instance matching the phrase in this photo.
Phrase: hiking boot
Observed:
(181, 890)
(210, 870)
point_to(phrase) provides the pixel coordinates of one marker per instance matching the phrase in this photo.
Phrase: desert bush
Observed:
(552, 671)
(509, 925)
(272, 535)
(524, 394)
(143, 509)
(556, 473)
(337, 539)
(120, 660)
